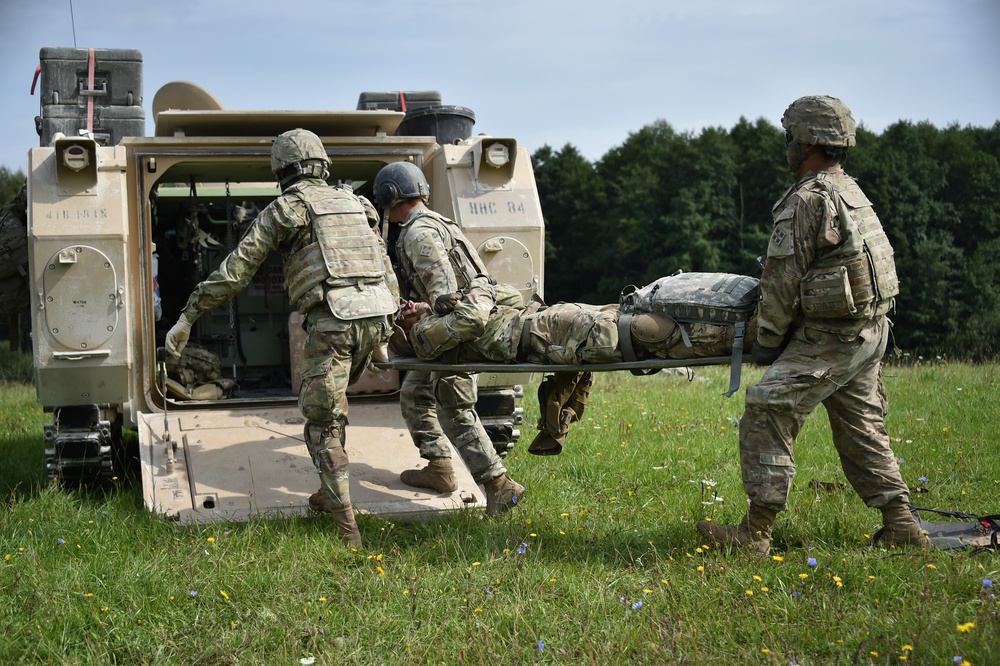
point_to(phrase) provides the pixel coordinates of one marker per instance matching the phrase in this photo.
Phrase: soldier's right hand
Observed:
(764, 355)
(177, 337)
(445, 303)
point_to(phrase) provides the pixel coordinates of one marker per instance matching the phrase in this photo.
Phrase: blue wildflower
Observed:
(59, 542)
(796, 593)
(811, 561)
(637, 606)
(902, 460)
(922, 479)
(541, 645)
(987, 582)
(193, 593)
(957, 659)
(522, 549)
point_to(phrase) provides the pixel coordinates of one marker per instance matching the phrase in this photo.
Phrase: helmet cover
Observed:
(819, 120)
(296, 146)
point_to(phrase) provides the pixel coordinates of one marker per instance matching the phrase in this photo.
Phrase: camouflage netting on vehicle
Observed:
(14, 292)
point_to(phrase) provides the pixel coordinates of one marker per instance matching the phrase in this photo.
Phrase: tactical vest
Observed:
(857, 278)
(344, 252)
(465, 261)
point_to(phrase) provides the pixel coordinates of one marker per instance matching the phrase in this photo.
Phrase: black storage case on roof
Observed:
(66, 89)
(110, 125)
(394, 101)
(66, 70)
(447, 123)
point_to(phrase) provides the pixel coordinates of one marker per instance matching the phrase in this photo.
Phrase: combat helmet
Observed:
(400, 181)
(298, 153)
(819, 120)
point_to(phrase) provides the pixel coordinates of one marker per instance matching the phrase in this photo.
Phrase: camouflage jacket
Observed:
(806, 226)
(284, 226)
(435, 255)
(483, 329)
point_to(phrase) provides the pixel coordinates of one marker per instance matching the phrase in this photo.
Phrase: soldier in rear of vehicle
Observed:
(338, 276)
(828, 283)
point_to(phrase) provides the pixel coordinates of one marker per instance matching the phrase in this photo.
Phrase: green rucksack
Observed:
(722, 299)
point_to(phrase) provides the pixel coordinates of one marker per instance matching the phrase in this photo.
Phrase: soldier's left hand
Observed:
(445, 303)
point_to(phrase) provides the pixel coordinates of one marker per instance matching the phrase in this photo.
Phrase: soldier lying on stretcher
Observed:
(471, 326)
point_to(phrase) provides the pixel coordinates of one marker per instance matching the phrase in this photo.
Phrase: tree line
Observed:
(665, 201)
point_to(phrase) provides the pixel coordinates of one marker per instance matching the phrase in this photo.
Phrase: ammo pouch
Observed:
(694, 298)
(430, 342)
(857, 277)
(837, 292)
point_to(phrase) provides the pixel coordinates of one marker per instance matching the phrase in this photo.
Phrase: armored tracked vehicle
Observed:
(122, 227)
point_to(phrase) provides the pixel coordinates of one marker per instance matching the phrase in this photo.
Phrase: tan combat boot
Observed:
(502, 493)
(901, 529)
(751, 533)
(438, 475)
(342, 515)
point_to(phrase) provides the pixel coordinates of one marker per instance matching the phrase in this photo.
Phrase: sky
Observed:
(544, 72)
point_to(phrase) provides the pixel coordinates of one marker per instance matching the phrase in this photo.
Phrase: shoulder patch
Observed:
(780, 244)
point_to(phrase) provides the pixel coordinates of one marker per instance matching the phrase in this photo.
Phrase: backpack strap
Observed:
(736, 362)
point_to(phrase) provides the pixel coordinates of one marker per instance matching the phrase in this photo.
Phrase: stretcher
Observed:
(644, 367)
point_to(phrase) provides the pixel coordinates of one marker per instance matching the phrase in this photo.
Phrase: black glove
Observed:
(764, 355)
(445, 303)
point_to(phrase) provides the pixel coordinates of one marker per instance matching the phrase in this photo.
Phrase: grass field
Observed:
(600, 564)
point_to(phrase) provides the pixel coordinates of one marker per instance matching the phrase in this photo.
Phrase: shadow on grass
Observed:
(24, 472)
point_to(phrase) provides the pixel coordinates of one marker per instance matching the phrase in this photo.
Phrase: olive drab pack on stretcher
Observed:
(695, 298)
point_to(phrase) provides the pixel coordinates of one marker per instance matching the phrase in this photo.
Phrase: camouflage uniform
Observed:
(345, 318)
(438, 259)
(835, 360)
(481, 329)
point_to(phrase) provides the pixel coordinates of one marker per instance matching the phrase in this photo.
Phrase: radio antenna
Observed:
(72, 20)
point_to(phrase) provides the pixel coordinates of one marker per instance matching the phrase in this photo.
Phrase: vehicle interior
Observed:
(198, 212)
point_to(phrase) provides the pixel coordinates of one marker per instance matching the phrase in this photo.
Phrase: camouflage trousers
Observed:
(437, 408)
(845, 375)
(336, 354)
(562, 399)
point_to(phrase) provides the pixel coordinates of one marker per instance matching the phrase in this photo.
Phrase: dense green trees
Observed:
(10, 183)
(664, 201)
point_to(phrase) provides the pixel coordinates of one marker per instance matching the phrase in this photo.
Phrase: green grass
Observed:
(14, 366)
(92, 578)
